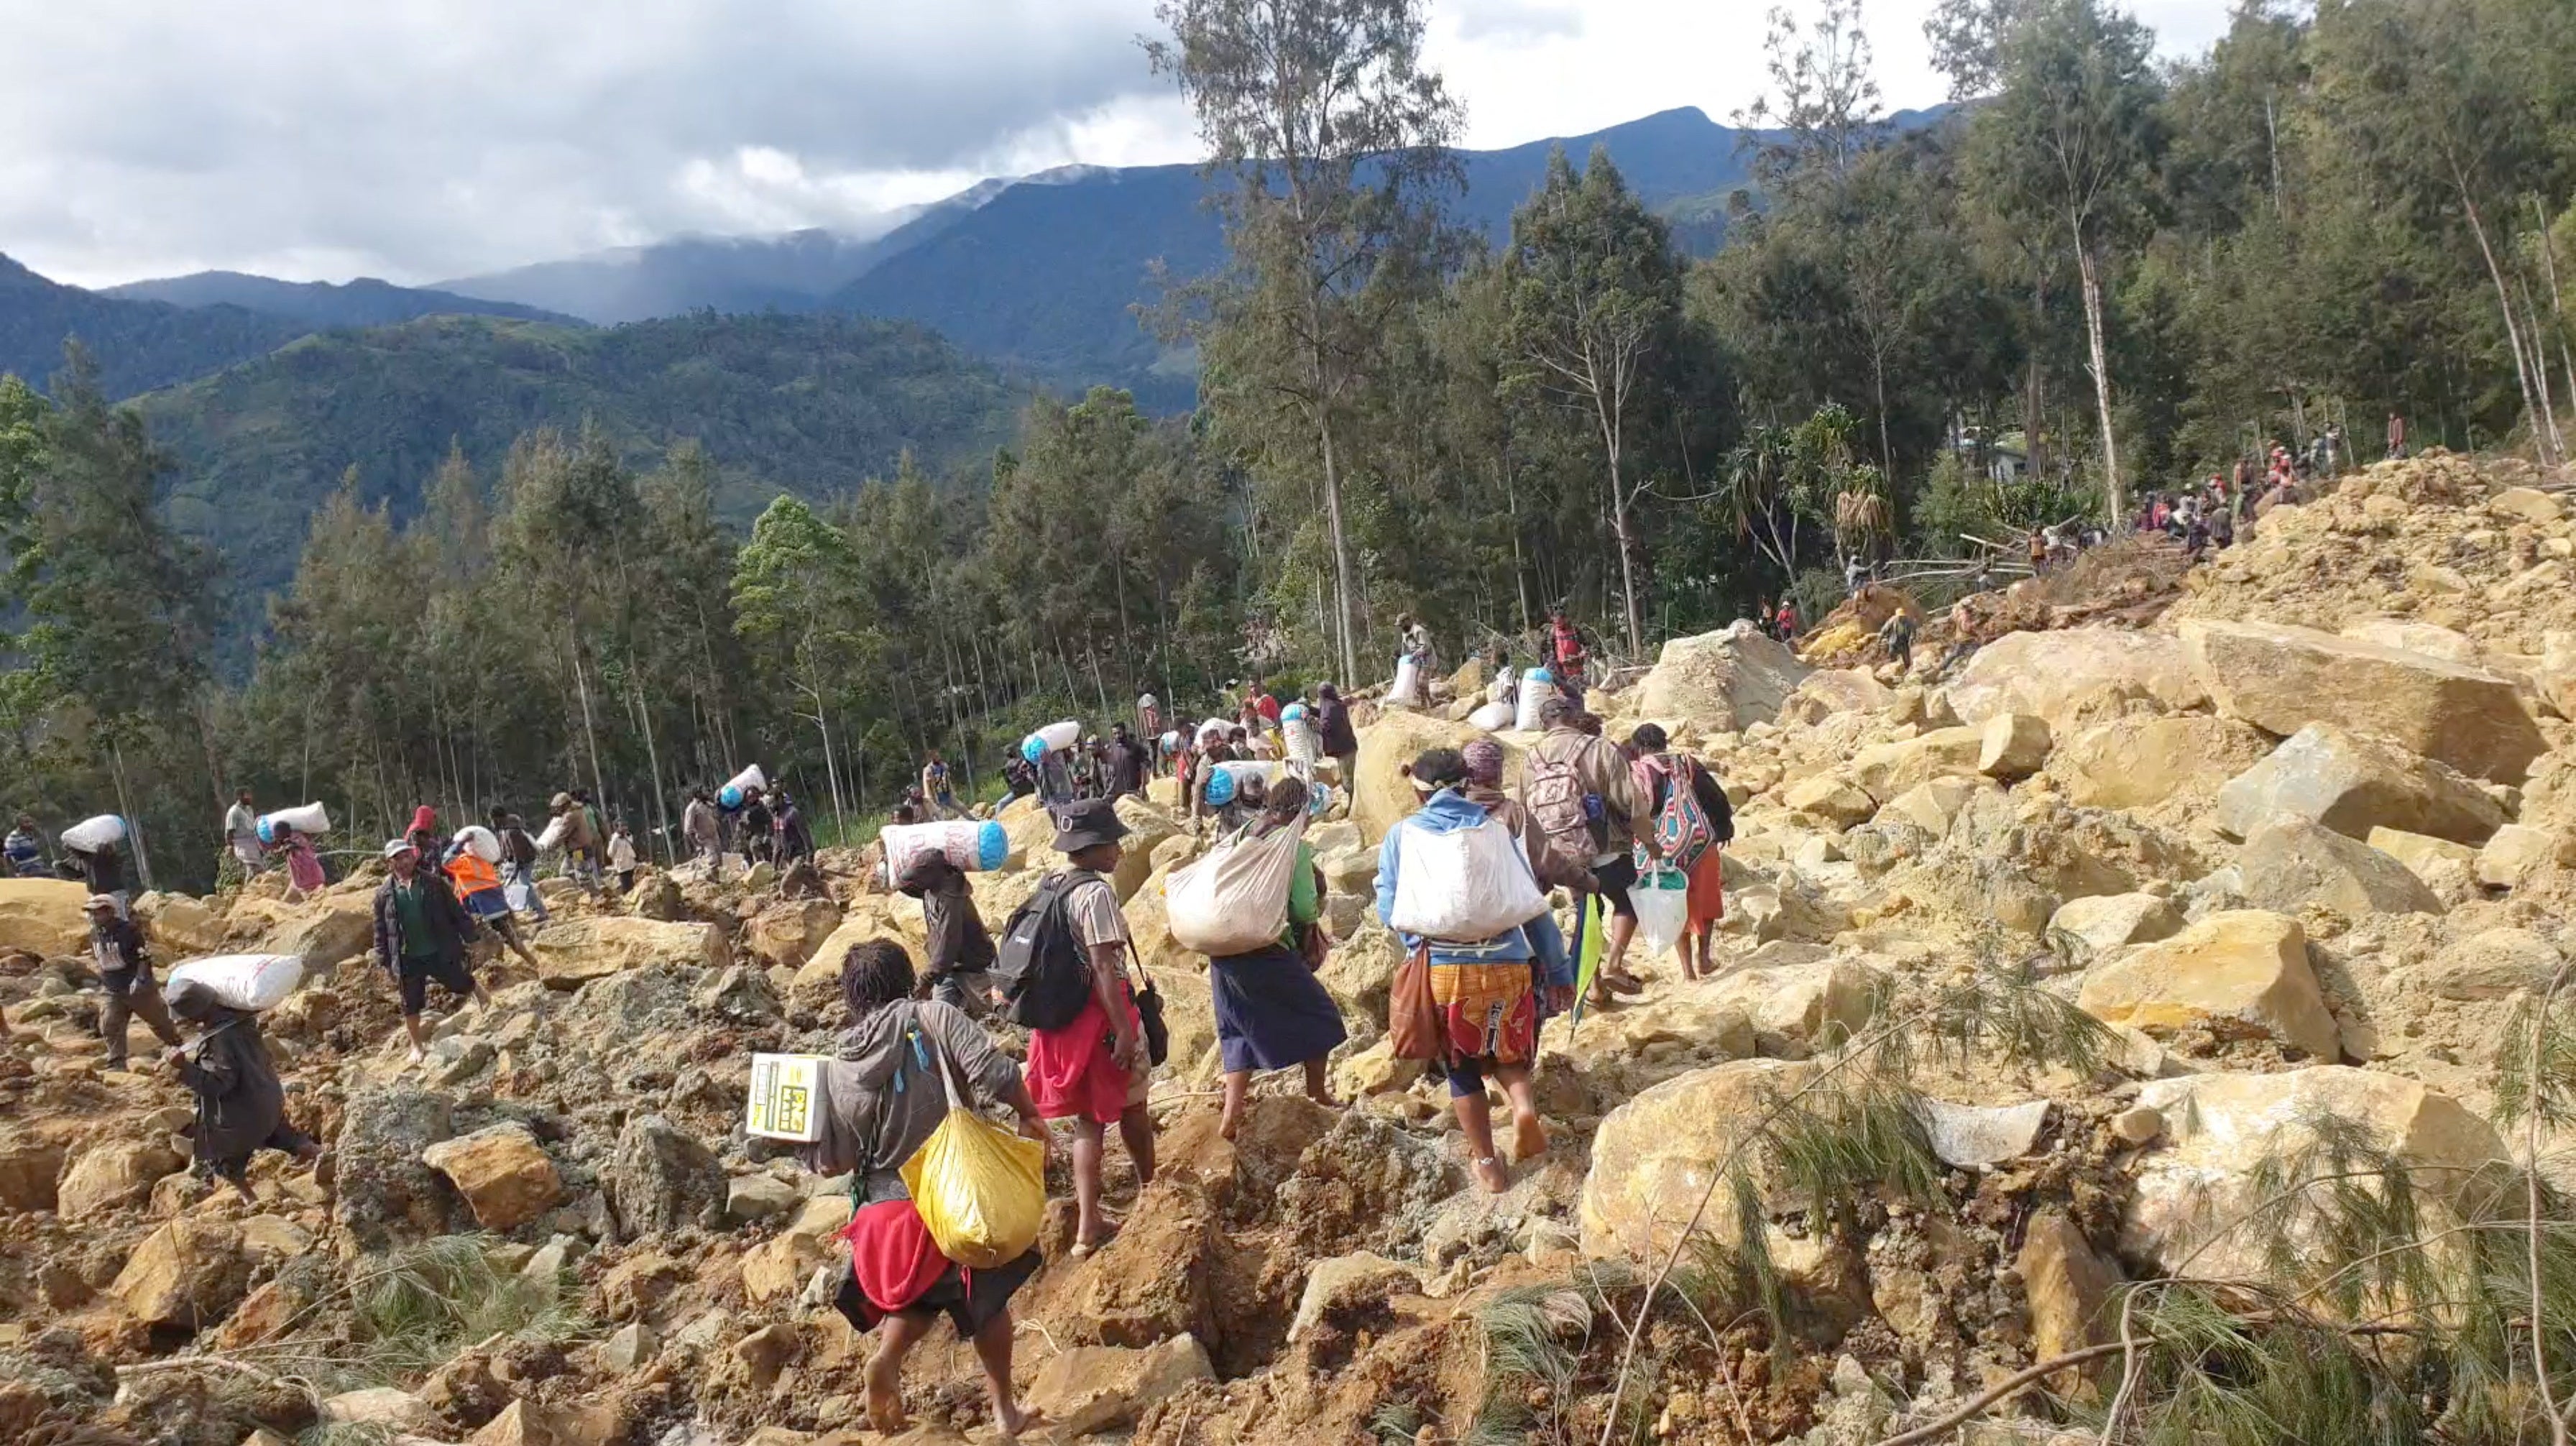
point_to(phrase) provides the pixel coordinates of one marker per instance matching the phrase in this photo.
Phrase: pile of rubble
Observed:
(2297, 847)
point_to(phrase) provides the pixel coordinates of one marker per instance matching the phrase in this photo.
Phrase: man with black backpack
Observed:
(1062, 970)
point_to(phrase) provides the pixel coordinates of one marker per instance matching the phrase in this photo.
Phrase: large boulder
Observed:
(2068, 1285)
(2493, 964)
(1092, 1388)
(179, 925)
(42, 916)
(113, 1175)
(505, 1176)
(1656, 1157)
(1888, 769)
(2139, 762)
(1721, 682)
(324, 932)
(2051, 674)
(187, 1274)
(383, 1193)
(2083, 930)
(1148, 827)
(661, 1178)
(1382, 796)
(572, 952)
(2242, 972)
(2353, 783)
(2291, 864)
(30, 1173)
(2282, 678)
(1798, 1008)
(2196, 1190)
(790, 930)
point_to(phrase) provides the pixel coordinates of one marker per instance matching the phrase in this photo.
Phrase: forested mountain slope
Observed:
(322, 304)
(138, 345)
(807, 404)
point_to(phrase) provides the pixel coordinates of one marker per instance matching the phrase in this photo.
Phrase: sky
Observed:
(418, 140)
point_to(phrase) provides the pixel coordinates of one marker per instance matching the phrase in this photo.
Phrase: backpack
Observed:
(1684, 832)
(1553, 793)
(1044, 974)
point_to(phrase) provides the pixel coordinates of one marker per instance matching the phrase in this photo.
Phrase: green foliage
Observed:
(435, 1298)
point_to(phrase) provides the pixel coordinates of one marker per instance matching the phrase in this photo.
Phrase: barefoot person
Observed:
(1271, 1013)
(881, 1101)
(1489, 991)
(1094, 1070)
(241, 1107)
(1710, 828)
(421, 935)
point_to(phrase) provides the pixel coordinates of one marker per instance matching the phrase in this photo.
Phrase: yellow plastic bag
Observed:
(981, 1189)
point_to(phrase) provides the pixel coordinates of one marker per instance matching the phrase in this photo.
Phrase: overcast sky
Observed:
(424, 139)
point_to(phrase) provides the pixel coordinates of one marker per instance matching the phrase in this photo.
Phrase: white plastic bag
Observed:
(1493, 717)
(1537, 686)
(92, 834)
(244, 981)
(1663, 909)
(479, 841)
(554, 833)
(1407, 691)
(1464, 885)
(1060, 736)
(1235, 900)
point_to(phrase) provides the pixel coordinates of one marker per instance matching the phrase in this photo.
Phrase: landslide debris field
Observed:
(2116, 953)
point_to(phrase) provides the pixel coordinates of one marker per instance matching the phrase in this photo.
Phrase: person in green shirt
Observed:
(1271, 1011)
(421, 937)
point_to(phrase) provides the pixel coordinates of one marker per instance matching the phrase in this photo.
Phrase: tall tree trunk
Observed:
(125, 809)
(1343, 588)
(2112, 492)
(2557, 298)
(2034, 395)
(2512, 329)
(589, 732)
(653, 760)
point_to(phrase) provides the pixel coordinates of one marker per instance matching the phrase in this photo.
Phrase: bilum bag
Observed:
(1464, 885)
(1235, 900)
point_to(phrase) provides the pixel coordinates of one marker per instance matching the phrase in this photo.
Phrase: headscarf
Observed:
(1484, 763)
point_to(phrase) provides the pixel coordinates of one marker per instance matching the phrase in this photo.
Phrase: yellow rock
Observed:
(2239, 972)
(42, 916)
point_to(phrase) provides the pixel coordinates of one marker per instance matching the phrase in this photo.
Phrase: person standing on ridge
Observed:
(621, 857)
(25, 848)
(422, 933)
(1341, 742)
(1094, 1070)
(124, 965)
(706, 837)
(1568, 654)
(938, 792)
(1127, 763)
(518, 864)
(241, 836)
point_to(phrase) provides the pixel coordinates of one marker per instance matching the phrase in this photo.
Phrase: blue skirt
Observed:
(1271, 1012)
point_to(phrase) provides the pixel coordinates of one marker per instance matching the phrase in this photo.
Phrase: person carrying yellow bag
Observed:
(945, 1205)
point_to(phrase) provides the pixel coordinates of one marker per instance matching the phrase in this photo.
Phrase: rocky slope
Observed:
(2103, 917)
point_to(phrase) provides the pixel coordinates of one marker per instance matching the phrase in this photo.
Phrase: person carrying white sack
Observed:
(1489, 993)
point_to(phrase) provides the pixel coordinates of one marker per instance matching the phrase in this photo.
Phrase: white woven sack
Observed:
(244, 981)
(1235, 900)
(480, 841)
(1465, 885)
(92, 834)
(1493, 717)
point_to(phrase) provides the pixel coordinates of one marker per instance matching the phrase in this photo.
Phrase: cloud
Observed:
(1521, 22)
(426, 139)
(423, 138)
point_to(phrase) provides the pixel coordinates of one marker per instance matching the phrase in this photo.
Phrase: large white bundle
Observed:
(1235, 900)
(1537, 686)
(1215, 728)
(1241, 769)
(972, 845)
(479, 841)
(1493, 717)
(1407, 691)
(555, 830)
(1465, 885)
(312, 820)
(244, 981)
(1059, 736)
(92, 834)
(751, 780)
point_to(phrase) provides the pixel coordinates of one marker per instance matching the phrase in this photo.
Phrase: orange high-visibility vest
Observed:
(472, 875)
